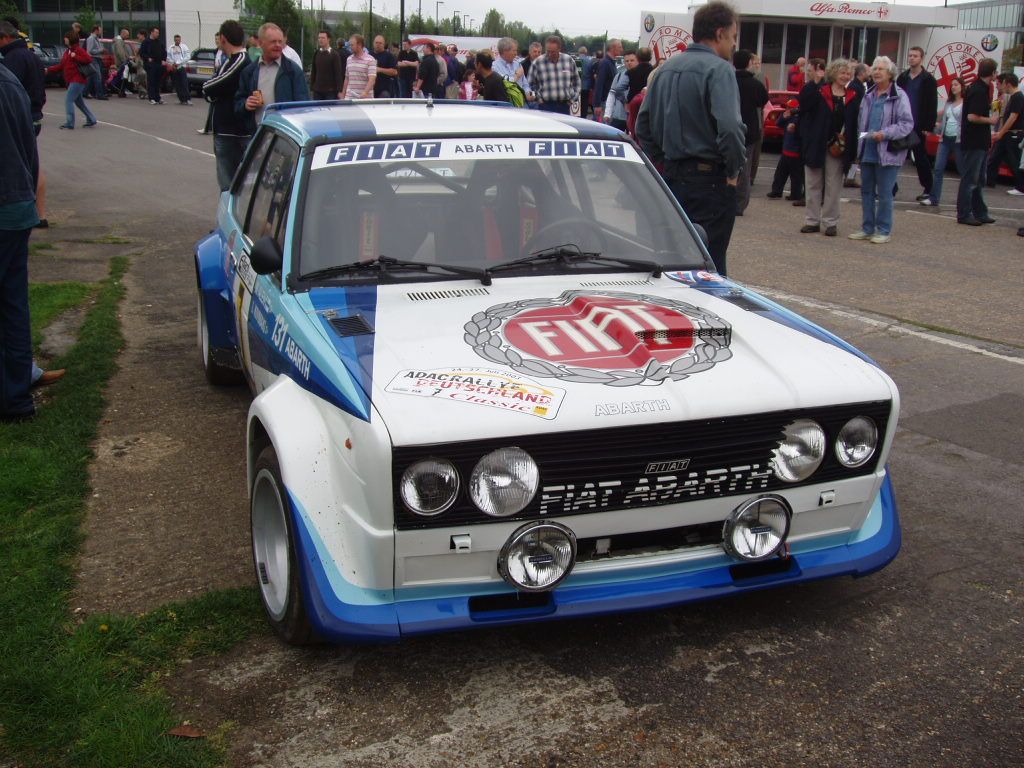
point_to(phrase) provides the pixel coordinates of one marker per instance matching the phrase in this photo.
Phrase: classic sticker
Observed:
(613, 338)
(481, 386)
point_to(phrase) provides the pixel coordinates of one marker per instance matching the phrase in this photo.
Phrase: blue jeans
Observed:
(969, 201)
(15, 329)
(559, 107)
(710, 202)
(229, 151)
(74, 99)
(96, 80)
(877, 180)
(948, 145)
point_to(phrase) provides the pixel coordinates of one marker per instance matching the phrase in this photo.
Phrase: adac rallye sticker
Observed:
(480, 386)
(613, 338)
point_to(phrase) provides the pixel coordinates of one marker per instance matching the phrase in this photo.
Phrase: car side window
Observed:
(243, 193)
(273, 189)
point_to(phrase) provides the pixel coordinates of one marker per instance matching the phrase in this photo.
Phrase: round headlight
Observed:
(757, 529)
(856, 442)
(537, 556)
(430, 486)
(504, 482)
(800, 452)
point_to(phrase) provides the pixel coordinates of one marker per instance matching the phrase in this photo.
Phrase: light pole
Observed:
(437, 8)
(455, 23)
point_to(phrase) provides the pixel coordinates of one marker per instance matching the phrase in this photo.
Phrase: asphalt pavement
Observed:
(920, 664)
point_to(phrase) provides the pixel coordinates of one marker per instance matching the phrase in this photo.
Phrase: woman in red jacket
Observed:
(74, 57)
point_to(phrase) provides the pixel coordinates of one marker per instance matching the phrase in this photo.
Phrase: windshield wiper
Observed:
(384, 264)
(568, 254)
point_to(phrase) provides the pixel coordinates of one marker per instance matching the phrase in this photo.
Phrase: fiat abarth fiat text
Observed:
(496, 379)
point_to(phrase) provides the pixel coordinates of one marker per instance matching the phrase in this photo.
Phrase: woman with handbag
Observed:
(886, 134)
(76, 65)
(827, 127)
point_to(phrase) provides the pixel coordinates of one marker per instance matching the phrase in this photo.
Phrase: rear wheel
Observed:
(274, 552)
(215, 372)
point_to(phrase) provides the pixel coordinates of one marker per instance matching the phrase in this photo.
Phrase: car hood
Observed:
(453, 361)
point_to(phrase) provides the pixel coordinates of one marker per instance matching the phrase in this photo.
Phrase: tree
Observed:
(493, 24)
(10, 10)
(87, 18)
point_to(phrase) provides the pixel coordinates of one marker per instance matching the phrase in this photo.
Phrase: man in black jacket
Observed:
(923, 91)
(230, 130)
(328, 72)
(753, 97)
(153, 54)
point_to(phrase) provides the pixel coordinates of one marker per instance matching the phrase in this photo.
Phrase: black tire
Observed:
(217, 374)
(280, 593)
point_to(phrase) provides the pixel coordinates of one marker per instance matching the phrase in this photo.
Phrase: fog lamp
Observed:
(757, 529)
(537, 556)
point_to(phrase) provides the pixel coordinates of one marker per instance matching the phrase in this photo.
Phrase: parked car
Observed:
(200, 68)
(772, 112)
(931, 145)
(496, 379)
(51, 55)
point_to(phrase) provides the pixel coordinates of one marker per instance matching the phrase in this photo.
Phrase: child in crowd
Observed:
(791, 165)
(467, 88)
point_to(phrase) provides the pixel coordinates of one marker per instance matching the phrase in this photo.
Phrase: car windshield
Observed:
(482, 202)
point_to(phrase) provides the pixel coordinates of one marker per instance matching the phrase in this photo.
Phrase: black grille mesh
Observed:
(623, 454)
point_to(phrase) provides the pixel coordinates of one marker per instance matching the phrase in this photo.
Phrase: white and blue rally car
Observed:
(497, 380)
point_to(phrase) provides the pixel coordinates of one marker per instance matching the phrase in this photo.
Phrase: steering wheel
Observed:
(589, 231)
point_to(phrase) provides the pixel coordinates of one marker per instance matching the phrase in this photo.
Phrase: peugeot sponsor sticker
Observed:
(480, 386)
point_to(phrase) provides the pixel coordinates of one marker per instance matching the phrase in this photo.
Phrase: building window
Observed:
(750, 31)
(796, 42)
(889, 44)
(871, 45)
(818, 49)
(771, 44)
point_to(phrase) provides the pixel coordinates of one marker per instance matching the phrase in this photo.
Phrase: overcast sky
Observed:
(621, 18)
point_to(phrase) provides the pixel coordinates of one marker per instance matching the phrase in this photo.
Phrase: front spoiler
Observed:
(338, 621)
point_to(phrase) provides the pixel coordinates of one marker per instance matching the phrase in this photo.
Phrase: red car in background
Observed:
(772, 112)
(931, 146)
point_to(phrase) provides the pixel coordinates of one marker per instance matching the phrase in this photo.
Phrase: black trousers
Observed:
(791, 168)
(154, 75)
(1006, 150)
(923, 164)
(709, 201)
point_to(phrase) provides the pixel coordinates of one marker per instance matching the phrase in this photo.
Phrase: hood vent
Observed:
(455, 294)
(350, 325)
(609, 283)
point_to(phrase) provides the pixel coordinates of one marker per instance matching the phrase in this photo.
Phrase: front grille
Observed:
(600, 470)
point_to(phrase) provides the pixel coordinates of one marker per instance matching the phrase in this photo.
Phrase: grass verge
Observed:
(48, 300)
(85, 695)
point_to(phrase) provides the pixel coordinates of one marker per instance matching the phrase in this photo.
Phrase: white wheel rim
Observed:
(203, 331)
(270, 543)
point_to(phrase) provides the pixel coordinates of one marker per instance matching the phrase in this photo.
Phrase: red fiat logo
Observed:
(602, 332)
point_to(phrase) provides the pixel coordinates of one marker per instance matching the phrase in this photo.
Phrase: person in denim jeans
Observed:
(975, 142)
(884, 116)
(948, 130)
(19, 172)
(76, 81)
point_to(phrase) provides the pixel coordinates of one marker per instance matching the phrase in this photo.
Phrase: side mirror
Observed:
(265, 256)
(701, 233)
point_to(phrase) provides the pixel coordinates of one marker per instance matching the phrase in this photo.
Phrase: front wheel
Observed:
(274, 552)
(215, 372)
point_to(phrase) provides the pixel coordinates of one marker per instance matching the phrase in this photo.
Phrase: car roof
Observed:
(323, 122)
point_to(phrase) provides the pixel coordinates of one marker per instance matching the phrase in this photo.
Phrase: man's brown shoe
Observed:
(49, 377)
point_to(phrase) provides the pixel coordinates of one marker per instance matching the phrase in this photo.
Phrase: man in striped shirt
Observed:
(554, 79)
(360, 70)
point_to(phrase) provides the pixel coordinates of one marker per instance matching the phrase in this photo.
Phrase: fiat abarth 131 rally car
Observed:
(497, 380)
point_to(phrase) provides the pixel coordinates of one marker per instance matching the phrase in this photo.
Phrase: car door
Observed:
(258, 317)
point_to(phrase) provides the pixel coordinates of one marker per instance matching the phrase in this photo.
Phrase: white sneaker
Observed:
(928, 202)
(859, 236)
(1014, 191)
(880, 239)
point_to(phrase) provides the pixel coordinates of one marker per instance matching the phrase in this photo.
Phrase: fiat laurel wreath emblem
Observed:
(601, 337)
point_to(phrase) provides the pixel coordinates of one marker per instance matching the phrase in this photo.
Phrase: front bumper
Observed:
(866, 551)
